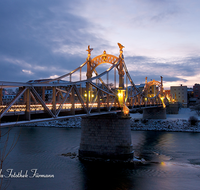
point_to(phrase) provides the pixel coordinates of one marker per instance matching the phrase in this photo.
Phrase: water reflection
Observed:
(152, 145)
(41, 148)
(106, 176)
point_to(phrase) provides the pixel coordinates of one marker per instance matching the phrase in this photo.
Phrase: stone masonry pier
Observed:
(154, 113)
(106, 137)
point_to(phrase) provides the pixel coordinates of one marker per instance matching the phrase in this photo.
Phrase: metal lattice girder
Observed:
(64, 100)
(80, 99)
(94, 85)
(107, 95)
(102, 81)
(110, 107)
(13, 101)
(94, 101)
(61, 90)
(42, 102)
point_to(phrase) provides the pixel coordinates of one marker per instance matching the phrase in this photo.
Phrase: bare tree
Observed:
(5, 150)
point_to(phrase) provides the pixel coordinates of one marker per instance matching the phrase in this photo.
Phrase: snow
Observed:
(184, 113)
(173, 122)
(71, 123)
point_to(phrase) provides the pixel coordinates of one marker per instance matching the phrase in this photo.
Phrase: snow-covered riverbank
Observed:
(174, 122)
(71, 123)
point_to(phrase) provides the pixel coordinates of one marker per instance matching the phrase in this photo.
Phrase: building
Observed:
(196, 90)
(179, 94)
(191, 99)
(7, 98)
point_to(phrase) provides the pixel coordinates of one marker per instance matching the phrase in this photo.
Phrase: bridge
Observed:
(81, 92)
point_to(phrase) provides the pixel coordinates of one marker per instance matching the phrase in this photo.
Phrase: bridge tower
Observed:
(107, 136)
(89, 67)
(121, 67)
(89, 75)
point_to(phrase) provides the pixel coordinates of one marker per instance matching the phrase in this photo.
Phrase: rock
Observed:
(71, 155)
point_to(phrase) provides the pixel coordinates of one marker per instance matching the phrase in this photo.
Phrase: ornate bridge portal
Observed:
(72, 95)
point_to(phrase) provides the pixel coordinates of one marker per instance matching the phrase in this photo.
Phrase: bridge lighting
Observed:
(120, 94)
(125, 110)
(162, 99)
(163, 164)
(121, 97)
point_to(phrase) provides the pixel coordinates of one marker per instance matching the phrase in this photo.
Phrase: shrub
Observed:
(193, 120)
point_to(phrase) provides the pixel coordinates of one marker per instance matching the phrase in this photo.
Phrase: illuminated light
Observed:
(121, 98)
(163, 164)
(162, 99)
(125, 110)
(92, 95)
(85, 95)
(120, 95)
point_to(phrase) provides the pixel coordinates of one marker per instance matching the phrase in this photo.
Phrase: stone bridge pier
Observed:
(154, 113)
(106, 137)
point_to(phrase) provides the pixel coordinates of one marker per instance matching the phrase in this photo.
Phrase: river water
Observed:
(172, 162)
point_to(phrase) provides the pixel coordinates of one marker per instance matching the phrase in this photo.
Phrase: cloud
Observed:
(53, 76)
(27, 71)
(178, 70)
(42, 36)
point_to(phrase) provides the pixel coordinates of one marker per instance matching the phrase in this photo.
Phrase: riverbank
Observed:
(174, 122)
(70, 123)
(178, 125)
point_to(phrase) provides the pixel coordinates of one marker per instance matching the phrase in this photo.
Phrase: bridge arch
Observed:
(101, 59)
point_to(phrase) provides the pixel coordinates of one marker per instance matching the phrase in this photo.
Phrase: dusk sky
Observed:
(46, 38)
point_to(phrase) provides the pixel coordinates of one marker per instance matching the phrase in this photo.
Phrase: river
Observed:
(172, 162)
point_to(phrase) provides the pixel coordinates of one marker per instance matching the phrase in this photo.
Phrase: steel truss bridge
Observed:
(91, 96)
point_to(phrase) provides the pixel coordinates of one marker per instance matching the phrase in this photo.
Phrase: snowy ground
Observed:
(71, 122)
(184, 113)
(174, 122)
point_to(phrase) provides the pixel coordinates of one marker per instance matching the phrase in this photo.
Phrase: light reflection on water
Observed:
(172, 162)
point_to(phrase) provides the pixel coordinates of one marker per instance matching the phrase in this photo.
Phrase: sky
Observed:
(49, 38)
